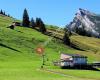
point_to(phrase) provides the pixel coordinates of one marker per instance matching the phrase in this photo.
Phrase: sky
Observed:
(53, 12)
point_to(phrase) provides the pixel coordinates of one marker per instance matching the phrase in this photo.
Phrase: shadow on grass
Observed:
(19, 31)
(76, 47)
(3, 45)
(88, 67)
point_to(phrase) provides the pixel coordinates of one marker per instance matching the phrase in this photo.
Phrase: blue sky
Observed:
(56, 12)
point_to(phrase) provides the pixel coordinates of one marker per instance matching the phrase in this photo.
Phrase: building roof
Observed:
(75, 55)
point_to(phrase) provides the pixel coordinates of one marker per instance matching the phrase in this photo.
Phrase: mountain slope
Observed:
(86, 23)
(19, 60)
(86, 43)
(23, 42)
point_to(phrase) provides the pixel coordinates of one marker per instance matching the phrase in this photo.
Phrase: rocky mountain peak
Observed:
(84, 23)
(83, 12)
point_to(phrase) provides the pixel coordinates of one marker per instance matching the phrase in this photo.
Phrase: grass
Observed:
(85, 74)
(86, 43)
(30, 71)
(19, 61)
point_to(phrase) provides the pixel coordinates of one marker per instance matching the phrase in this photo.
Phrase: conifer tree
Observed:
(4, 13)
(1, 12)
(25, 21)
(66, 39)
(32, 23)
(37, 22)
(42, 26)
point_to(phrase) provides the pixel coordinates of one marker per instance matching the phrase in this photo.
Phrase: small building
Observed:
(71, 60)
(17, 23)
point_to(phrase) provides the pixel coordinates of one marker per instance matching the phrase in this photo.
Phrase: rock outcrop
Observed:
(85, 23)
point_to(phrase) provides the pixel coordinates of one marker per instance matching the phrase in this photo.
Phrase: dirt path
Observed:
(62, 74)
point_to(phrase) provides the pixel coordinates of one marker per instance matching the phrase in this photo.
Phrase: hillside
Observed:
(5, 21)
(86, 43)
(19, 61)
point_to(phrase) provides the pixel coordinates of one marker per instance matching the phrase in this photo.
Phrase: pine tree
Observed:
(66, 39)
(26, 21)
(32, 23)
(1, 12)
(4, 13)
(42, 26)
(37, 22)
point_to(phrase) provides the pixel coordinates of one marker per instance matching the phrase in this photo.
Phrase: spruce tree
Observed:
(4, 13)
(32, 23)
(66, 39)
(37, 22)
(1, 12)
(42, 26)
(25, 21)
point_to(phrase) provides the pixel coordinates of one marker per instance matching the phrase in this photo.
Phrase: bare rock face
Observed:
(85, 23)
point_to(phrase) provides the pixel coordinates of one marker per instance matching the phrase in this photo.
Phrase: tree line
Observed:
(4, 13)
(38, 23)
(26, 22)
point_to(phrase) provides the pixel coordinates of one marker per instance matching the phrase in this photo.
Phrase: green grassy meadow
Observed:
(19, 60)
